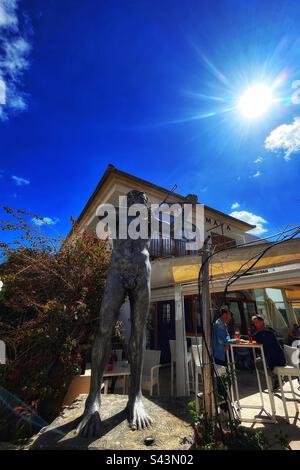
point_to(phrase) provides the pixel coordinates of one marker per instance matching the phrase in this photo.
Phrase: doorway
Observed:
(165, 328)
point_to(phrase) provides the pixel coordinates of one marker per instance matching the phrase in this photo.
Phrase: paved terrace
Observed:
(172, 423)
(249, 395)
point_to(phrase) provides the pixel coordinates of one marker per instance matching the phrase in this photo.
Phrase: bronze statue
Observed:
(128, 274)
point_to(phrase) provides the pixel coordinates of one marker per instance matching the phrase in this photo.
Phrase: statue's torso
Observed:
(129, 250)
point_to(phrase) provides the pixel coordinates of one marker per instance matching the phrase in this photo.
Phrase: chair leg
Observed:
(271, 395)
(192, 371)
(283, 397)
(293, 393)
(158, 390)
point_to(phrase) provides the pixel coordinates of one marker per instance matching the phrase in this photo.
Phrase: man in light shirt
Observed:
(221, 338)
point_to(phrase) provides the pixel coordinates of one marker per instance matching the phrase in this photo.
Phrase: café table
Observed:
(119, 369)
(257, 351)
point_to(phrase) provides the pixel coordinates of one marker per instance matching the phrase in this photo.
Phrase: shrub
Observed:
(49, 307)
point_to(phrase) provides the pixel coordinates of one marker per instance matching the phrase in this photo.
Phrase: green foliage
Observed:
(283, 441)
(230, 375)
(208, 435)
(248, 439)
(118, 337)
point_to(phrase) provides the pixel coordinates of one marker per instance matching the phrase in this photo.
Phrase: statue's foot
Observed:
(137, 416)
(90, 424)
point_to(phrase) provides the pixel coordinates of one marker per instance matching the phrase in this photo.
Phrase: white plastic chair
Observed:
(172, 343)
(119, 354)
(197, 359)
(196, 341)
(198, 363)
(291, 370)
(296, 343)
(150, 376)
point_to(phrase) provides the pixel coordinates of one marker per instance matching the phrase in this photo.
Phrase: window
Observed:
(166, 314)
(276, 296)
(236, 316)
(297, 314)
(267, 300)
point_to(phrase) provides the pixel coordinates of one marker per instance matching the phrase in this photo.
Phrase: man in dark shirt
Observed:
(272, 349)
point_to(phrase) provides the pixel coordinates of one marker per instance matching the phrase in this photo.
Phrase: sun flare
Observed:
(255, 101)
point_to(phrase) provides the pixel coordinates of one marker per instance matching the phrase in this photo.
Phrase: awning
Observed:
(293, 295)
(185, 269)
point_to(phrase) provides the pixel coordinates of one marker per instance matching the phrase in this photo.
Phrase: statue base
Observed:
(171, 428)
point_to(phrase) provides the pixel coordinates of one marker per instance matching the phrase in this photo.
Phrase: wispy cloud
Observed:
(20, 181)
(257, 174)
(285, 138)
(258, 160)
(45, 221)
(252, 219)
(295, 98)
(14, 54)
(235, 205)
(2, 92)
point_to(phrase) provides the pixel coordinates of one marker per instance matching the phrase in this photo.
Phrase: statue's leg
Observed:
(111, 303)
(139, 300)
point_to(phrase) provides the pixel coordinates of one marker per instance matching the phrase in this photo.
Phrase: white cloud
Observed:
(45, 221)
(14, 54)
(257, 174)
(295, 98)
(7, 13)
(258, 160)
(20, 181)
(235, 205)
(252, 219)
(285, 138)
(2, 92)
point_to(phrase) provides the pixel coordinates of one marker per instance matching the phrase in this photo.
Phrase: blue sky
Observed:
(152, 87)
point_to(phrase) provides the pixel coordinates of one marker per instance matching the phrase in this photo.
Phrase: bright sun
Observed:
(255, 101)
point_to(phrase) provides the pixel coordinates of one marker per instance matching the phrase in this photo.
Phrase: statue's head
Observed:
(136, 197)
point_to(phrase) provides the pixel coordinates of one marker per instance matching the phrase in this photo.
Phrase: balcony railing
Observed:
(166, 247)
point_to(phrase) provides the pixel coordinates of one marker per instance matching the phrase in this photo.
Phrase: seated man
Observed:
(220, 337)
(220, 343)
(272, 349)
